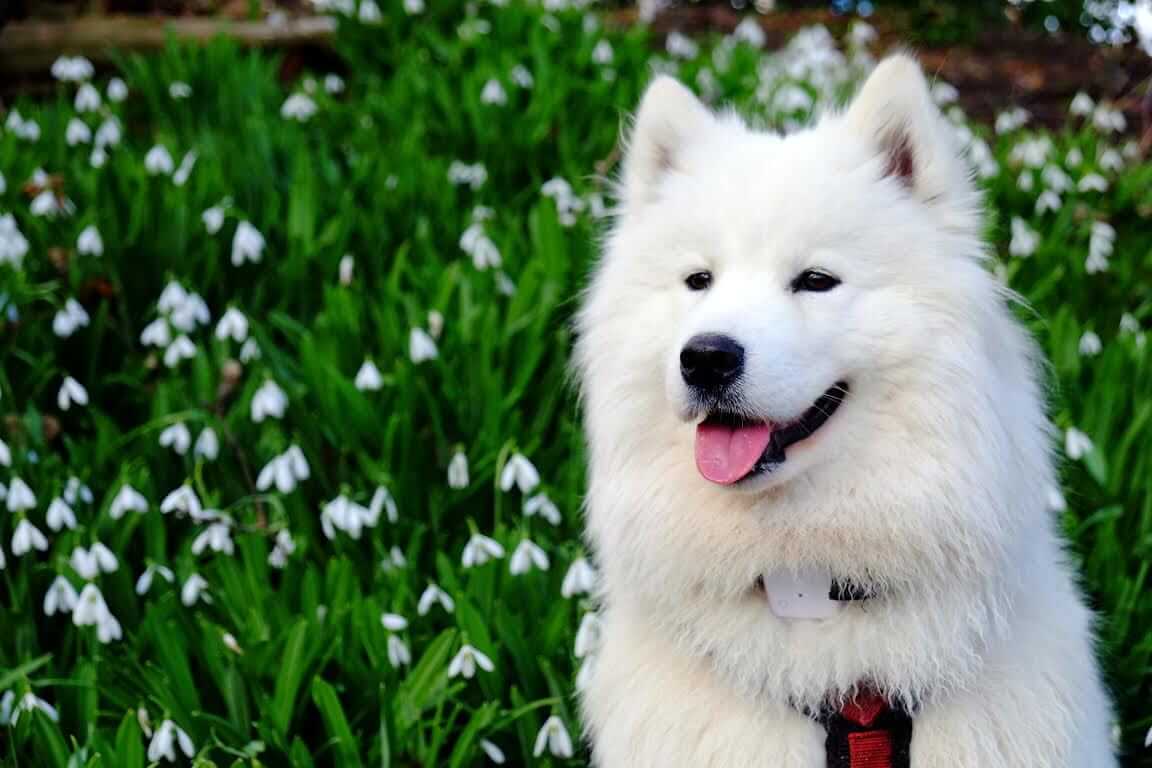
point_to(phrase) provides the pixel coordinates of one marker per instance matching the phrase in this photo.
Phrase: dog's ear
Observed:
(895, 112)
(670, 117)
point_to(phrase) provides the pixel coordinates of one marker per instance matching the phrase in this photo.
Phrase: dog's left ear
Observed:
(895, 112)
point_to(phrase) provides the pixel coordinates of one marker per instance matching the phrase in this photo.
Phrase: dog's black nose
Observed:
(711, 360)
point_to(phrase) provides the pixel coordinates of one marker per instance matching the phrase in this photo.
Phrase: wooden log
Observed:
(28, 47)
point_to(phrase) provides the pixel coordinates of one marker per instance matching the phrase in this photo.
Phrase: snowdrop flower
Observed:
(944, 93)
(172, 297)
(284, 547)
(89, 242)
(479, 550)
(60, 515)
(369, 12)
(108, 134)
(1111, 160)
(87, 98)
(458, 471)
(117, 90)
(394, 622)
(164, 742)
(68, 319)
(29, 702)
(346, 515)
(1055, 179)
(346, 269)
(1090, 344)
(230, 643)
(587, 636)
(1032, 153)
(158, 161)
(299, 107)
(1093, 182)
(382, 501)
(72, 69)
(1024, 239)
(519, 471)
(421, 347)
(464, 663)
(681, 47)
(20, 497)
(1011, 120)
(5, 461)
(127, 499)
(1100, 246)
(249, 351)
(395, 559)
(71, 391)
(29, 130)
(13, 246)
(527, 555)
(1076, 444)
(26, 538)
(476, 243)
(431, 596)
(1082, 105)
(86, 563)
(217, 537)
(233, 325)
(177, 437)
(247, 244)
(553, 737)
(749, 31)
(414, 7)
(522, 77)
(207, 445)
(77, 132)
(60, 597)
(1108, 119)
(398, 653)
(179, 90)
(180, 177)
(493, 93)
(182, 500)
(192, 313)
(156, 333)
(1048, 201)
(333, 84)
(48, 204)
(75, 491)
(144, 583)
(368, 378)
(98, 157)
(1129, 324)
(495, 754)
(193, 590)
(472, 175)
(541, 505)
(213, 219)
(269, 400)
(580, 579)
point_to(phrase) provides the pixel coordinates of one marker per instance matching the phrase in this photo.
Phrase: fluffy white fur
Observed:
(931, 480)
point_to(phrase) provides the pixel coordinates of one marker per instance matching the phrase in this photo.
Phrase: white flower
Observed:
(75, 491)
(369, 12)
(105, 560)
(333, 84)
(84, 563)
(71, 391)
(27, 537)
(413, 7)
(165, 740)
(156, 333)
(1129, 324)
(77, 132)
(249, 351)
(230, 643)
(1048, 201)
(394, 622)
(1056, 500)
(117, 90)
(493, 93)
(346, 515)
(213, 219)
(247, 244)
(13, 246)
(72, 69)
(269, 400)
(233, 325)
(464, 663)
(1074, 158)
(495, 754)
(193, 590)
(521, 76)
(681, 47)
(479, 550)
(553, 737)
(368, 378)
(476, 243)
(217, 537)
(458, 471)
(299, 107)
(1090, 344)
(108, 134)
(284, 547)
(48, 204)
(98, 157)
(1108, 119)
(541, 505)
(87, 98)
(1100, 246)
(60, 597)
(158, 161)
(519, 471)
(179, 90)
(180, 177)
(580, 579)
(587, 636)
(1076, 444)
(29, 130)
(346, 270)
(432, 595)
(1111, 160)
(60, 515)
(1011, 120)
(20, 497)
(1024, 239)
(68, 319)
(207, 445)
(29, 702)
(382, 501)
(192, 313)
(127, 499)
(144, 583)
(1082, 105)
(177, 437)
(398, 653)
(421, 346)
(525, 556)
(182, 500)
(5, 461)
(1093, 182)
(1055, 179)
(89, 241)
(472, 175)
(1032, 153)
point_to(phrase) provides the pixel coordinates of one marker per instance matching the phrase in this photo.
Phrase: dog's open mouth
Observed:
(730, 447)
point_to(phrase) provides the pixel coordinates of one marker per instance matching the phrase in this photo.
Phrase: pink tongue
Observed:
(726, 454)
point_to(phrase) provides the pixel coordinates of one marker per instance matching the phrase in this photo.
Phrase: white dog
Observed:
(820, 462)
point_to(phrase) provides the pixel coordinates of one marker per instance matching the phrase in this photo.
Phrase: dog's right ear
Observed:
(670, 117)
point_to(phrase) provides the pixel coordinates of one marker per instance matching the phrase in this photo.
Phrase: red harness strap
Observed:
(867, 733)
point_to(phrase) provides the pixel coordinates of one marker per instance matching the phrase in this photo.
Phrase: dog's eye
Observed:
(699, 281)
(814, 280)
